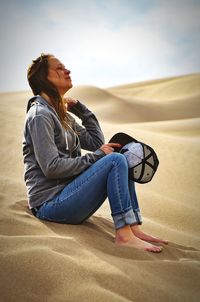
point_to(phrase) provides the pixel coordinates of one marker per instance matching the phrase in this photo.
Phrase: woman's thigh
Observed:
(82, 197)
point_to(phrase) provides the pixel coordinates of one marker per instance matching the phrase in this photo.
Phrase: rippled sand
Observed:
(42, 261)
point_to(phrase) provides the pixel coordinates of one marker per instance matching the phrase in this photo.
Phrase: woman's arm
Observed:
(91, 136)
(41, 130)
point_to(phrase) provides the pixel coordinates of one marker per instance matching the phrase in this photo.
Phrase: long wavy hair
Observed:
(37, 78)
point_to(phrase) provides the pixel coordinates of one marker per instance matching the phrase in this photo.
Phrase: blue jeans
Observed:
(107, 177)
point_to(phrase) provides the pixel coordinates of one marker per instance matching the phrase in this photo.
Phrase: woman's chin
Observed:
(70, 86)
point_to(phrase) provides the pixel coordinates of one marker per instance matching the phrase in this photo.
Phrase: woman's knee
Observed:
(118, 158)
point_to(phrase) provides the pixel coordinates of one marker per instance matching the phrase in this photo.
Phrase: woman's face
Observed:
(59, 75)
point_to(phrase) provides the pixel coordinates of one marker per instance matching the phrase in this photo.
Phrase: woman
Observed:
(62, 185)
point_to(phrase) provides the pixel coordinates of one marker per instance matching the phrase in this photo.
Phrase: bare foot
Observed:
(146, 237)
(125, 237)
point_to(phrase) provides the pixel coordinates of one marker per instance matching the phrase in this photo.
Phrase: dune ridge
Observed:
(167, 99)
(163, 88)
(43, 261)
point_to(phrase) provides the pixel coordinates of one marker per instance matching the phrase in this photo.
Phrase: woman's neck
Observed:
(47, 98)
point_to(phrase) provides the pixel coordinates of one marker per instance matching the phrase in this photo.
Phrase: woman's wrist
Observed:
(69, 102)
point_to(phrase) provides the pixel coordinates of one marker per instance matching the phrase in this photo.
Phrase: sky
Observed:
(103, 43)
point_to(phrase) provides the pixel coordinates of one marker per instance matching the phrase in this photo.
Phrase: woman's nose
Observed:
(67, 71)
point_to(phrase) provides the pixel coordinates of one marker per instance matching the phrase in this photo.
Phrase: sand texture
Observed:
(43, 261)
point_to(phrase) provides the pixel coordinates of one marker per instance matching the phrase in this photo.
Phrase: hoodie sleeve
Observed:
(91, 136)
(46, 153)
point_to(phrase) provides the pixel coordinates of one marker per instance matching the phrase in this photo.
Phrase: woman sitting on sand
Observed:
(64, 186)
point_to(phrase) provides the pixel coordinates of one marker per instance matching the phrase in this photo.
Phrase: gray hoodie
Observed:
(52, 155)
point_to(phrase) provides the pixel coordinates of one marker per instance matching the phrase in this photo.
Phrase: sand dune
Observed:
(168, 99)
(43, 261)
(163, 89)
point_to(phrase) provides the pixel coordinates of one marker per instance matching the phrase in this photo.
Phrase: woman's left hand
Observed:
(69, 102)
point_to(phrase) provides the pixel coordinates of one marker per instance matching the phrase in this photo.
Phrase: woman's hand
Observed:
(69, 102)
(109, 148)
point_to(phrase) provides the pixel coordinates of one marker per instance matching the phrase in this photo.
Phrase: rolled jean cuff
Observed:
(138, 216)
(127, 218)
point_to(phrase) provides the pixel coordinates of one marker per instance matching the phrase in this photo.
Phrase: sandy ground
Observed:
(42, 261)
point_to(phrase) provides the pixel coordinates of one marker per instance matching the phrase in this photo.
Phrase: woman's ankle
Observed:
(135, 227)
(124, 234)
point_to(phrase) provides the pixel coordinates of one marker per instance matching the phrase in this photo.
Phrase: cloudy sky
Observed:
(103, 42)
